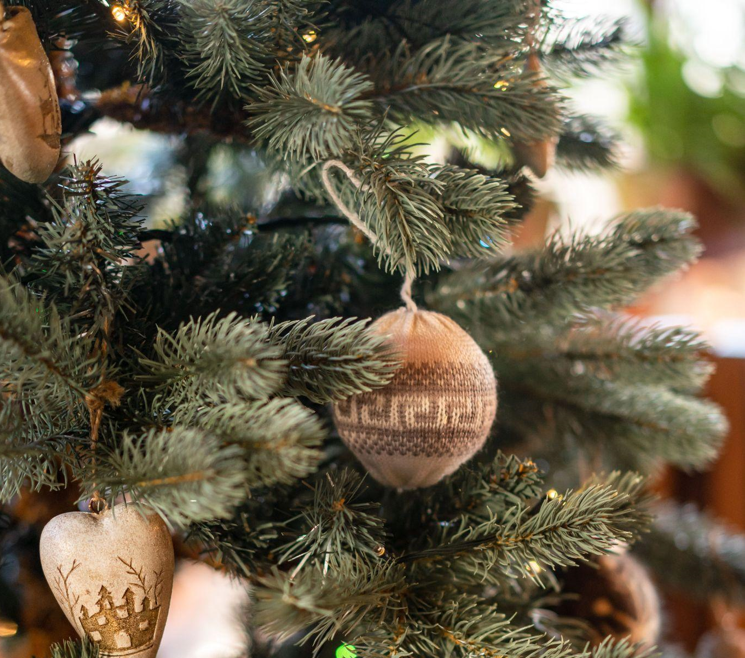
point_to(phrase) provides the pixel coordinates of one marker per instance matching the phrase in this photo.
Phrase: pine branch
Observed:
(468, 84)
(399, 201)
(241, 543)
(474, 494)
(286, 605)
(585, 144)
(499, 26)
(312, 111)
(32, 458)
(611, 347)
(279, 437)
(183, 474)
(84, 648)
(561, 531)
(568, 277)
(225, 44)
(337, 525)
(88, 247)
(475, 207)
(221, 260)
(330, 360)
(636, 424)
(621, 648)
(216, 360)
(584, 47)
(45, 372)
(685, 541)
(493, 489)
(464, 628)
(68, 19)
(150, 28)
(29, 351)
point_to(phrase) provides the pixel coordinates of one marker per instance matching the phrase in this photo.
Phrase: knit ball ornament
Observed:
(434, 414)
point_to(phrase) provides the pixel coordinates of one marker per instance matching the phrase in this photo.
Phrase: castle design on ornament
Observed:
(120, 630)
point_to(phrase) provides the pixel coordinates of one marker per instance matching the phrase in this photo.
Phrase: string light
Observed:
(8, 628)
(310, 37)
(533, 567)
(551, 494)
(346, 651)
(119, 13)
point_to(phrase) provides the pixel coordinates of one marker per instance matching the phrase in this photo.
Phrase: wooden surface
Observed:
(720, 491)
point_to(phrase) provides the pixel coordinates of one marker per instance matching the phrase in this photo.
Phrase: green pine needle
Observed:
(311, 111)
(183, 474)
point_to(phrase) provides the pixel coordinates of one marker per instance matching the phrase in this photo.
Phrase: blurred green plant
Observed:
(680, 125)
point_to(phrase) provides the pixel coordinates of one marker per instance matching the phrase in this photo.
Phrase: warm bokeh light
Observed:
(8, 628)
(534, 567)
(119, 13)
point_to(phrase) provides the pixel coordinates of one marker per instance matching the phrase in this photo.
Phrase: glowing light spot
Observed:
(501, 84)
(551, 494)
(346, 651)
(506, 132)
(8, 628)
(533, 567)
(119, 13)
(310, 37)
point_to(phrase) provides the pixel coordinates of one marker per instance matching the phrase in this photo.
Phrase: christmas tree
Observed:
(221, 376)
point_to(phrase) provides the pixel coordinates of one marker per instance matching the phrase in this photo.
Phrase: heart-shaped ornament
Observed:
(112, 575)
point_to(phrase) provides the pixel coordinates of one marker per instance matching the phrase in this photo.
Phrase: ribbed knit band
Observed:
(434, 415)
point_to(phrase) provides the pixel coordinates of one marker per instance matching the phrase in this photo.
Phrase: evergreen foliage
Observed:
(685, 540)
(195, 377)
(81, 649)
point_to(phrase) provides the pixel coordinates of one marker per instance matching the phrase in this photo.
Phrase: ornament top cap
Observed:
(427, 336)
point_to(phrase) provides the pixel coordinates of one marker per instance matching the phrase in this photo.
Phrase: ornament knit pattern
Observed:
(436, 412)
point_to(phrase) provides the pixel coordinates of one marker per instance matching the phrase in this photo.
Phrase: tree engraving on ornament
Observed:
(62, 585)
(122, 627)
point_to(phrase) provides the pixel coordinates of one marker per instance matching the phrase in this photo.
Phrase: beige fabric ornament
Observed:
(30, 119)
(112, 575)
(435, 413)
(614, 595)
(538, 156)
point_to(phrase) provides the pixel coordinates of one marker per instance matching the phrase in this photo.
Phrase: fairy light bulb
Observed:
(8, 628)
(346, 651)
(533, 567)
(119, 13)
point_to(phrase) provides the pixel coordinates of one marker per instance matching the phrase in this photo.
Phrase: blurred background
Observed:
(680, 108)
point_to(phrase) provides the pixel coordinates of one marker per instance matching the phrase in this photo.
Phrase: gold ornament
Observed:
(112, 575)
(30, 119)
(436, 412)
(539, 155)
(614, 595)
